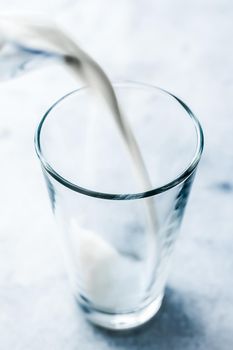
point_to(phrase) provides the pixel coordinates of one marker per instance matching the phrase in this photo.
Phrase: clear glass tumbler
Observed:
(116, 235)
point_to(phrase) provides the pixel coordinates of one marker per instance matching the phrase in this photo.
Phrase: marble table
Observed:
(185, 47)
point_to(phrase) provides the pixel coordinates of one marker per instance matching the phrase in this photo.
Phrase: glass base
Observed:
(122, 321)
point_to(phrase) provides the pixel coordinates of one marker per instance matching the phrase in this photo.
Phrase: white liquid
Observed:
(110, 279)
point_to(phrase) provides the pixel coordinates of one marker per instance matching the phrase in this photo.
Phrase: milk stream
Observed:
(28, 42)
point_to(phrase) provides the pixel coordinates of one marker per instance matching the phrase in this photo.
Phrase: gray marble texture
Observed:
(185, 47)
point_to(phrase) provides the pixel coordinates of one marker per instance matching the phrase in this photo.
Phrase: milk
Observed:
(110, 279)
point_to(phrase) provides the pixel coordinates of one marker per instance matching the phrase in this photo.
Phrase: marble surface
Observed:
(185, 47)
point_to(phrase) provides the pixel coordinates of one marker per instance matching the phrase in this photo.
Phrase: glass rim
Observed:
(124, 196)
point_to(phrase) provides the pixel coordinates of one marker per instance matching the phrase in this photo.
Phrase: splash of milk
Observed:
(26, 39)
(105, 277)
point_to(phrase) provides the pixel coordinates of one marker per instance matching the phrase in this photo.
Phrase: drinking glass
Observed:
(117, 233)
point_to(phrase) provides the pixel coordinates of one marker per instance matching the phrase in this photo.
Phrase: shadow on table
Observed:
(176, 325)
